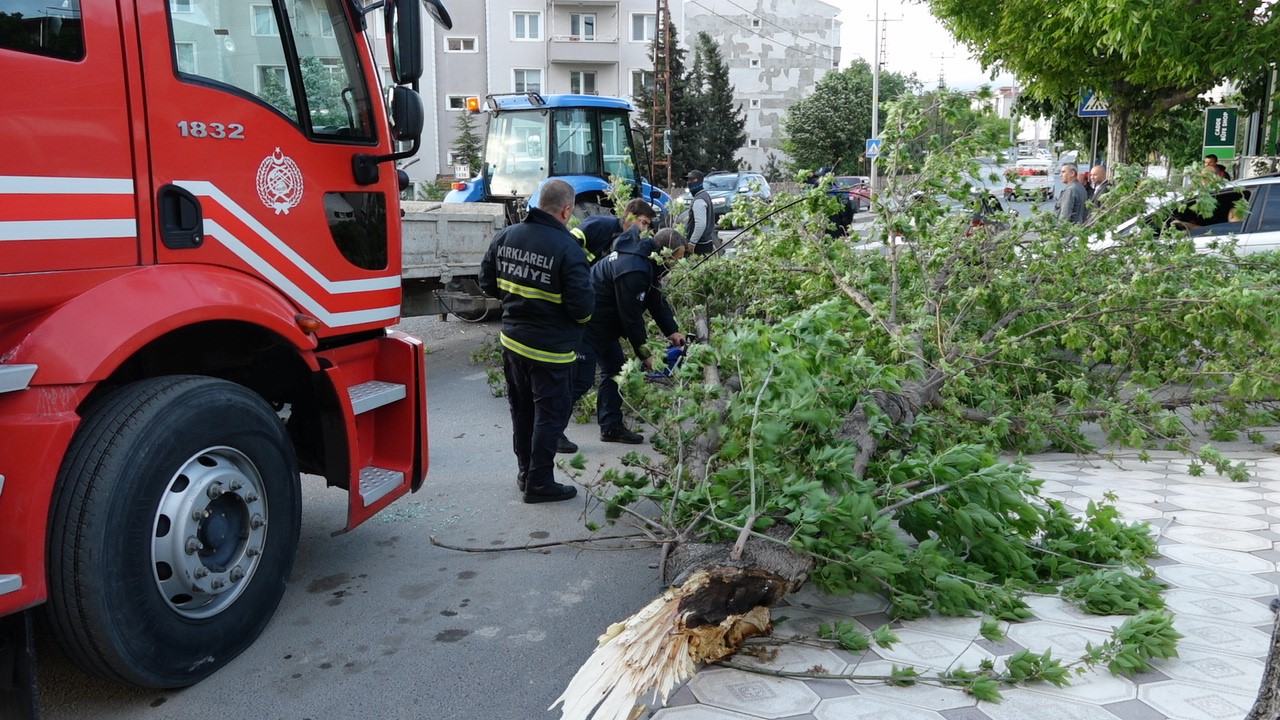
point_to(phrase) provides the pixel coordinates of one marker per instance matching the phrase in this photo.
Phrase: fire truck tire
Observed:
(173, 530)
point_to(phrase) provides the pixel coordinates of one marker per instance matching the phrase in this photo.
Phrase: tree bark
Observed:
(1118, 135)
(1267, 704)
(900, 407)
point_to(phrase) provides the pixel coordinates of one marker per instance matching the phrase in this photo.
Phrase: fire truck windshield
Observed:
(299, 58)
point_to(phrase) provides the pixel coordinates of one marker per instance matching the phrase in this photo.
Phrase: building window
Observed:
(264, 21)
(527, 80)
(582, 26)
(754, 103)
(528, 26)
(582, 83)
(326, 25)
(641, 82)
(180, 6)
(272, 76)
(186, 54)
(754, 62)
(457, 102)
(755, 23)
(460, 44)
(644, 27)
(753, 143)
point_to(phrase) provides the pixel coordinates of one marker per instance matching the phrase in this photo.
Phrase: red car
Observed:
(858, 187)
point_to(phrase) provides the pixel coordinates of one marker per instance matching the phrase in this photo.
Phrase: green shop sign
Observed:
(1220, 132)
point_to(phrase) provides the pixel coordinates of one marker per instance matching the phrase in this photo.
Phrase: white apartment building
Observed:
(776, 50)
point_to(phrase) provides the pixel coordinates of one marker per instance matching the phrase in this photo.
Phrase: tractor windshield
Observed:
(526, 147)
(592, 141)
(516, 153)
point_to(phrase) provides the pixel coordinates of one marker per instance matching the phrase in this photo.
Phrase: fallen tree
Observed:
(853, 405)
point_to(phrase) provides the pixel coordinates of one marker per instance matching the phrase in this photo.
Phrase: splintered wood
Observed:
(702, 621)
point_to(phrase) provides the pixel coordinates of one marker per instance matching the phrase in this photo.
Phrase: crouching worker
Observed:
(597, 234)
(539, 272)
(626, 284)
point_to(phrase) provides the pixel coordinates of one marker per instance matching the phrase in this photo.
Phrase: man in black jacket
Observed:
(626, 284)
(597, 234)
(539, 272)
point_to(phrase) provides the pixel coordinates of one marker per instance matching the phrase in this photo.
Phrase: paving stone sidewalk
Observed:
(1220, 546)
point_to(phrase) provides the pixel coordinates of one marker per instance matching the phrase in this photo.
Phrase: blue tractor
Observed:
(585, 140)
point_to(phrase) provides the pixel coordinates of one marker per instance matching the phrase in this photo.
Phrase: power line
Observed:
(763, 19)
(757, 34)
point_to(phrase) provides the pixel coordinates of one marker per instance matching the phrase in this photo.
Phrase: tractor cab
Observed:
(585, 140)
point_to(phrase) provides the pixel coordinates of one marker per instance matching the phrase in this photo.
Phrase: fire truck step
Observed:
(374, 394)
(15, 377)
(10, 583)
(376, 482)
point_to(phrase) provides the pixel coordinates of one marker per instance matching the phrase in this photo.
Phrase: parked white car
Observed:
(1257, 231)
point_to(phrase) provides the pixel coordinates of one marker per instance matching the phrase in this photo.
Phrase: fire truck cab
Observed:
(199, 267)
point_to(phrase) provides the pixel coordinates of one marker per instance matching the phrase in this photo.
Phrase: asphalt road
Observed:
(380, 624)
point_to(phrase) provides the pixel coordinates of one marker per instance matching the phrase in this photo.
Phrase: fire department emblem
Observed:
(279, 182)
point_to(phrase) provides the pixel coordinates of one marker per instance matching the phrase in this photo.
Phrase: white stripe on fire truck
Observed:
(335, 287)
(66, 229)
(32, 185)
(280, 280)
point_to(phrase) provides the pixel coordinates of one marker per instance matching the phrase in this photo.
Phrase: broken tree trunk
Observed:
(1267, 704)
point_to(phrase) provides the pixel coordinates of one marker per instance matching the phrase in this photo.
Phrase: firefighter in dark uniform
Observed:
(539, 272)
(596, 235)
(626, 284)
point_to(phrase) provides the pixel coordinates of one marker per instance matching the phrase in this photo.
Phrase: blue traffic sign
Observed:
(1092, 105)
(873, 147)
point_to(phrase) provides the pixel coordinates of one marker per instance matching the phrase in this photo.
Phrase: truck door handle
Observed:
(181, 219)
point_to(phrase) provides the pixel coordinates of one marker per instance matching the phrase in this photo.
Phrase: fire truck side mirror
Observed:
(407, 119)
(407, 114)
(404, 39)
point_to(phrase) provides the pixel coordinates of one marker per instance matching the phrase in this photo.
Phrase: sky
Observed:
(915, 42)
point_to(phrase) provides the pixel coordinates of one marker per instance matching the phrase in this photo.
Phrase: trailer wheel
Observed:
(173, 530)
(585, 208)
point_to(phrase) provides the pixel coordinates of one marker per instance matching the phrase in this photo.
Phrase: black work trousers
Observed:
(605, 354)
(539, 398)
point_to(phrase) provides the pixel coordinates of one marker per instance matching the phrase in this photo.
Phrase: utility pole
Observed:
(1013, 98)
(942, 62)
(875, 97)
(875, 89)
(660, 118)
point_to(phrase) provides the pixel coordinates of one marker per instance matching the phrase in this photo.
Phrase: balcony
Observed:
(576, 50)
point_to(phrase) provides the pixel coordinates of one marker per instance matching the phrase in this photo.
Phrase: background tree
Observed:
(467, 145)
(720, 119)
(830, 127)
(1147, 56)
(950, 117)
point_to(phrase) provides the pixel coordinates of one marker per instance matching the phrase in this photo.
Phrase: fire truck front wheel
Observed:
(174, 527)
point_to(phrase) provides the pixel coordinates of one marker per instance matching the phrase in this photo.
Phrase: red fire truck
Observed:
(199, 267)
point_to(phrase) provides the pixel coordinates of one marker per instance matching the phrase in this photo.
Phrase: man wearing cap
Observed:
(700, 228)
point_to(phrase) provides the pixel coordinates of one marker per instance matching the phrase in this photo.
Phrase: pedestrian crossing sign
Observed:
(1092, 105)
(873, 147)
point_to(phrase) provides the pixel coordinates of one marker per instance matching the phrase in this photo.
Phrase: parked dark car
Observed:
(858, 187)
